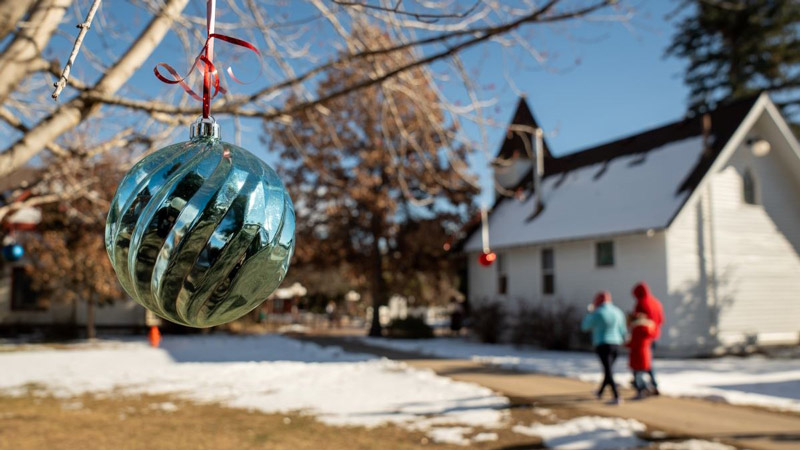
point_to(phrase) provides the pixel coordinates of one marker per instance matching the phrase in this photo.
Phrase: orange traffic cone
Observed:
(154, 336)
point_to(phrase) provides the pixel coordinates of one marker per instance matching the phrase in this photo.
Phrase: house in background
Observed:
(706, 210)
(22, 312)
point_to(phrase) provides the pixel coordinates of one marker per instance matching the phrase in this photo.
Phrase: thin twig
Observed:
(13, 120)
(62, 82)
(423, 17)
(478, 35)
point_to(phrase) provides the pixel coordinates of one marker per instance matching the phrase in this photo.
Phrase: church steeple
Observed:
(514, 161)
(518, 140)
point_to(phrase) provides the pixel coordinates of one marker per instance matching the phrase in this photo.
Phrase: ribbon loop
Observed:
(211, 77)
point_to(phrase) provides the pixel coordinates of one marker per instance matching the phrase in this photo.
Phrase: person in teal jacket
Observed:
(607, 325)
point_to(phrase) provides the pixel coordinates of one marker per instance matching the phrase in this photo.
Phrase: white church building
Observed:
(706, 210)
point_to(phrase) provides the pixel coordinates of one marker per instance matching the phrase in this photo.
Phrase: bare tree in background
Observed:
(434, 33)
(112, 103)
(70, 264)
(376, 176)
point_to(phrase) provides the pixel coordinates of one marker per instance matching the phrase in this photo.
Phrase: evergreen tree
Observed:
(737, 48)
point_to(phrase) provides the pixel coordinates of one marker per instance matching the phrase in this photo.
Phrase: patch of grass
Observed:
(34, 421)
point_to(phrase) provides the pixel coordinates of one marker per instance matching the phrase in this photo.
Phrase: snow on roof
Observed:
(26, 216)
(295, 290)
(628, 185)
(629, 193)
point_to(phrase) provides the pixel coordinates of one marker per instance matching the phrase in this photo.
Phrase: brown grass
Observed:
(33, 421)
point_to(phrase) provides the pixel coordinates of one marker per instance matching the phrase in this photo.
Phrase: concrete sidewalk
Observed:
(741, 426)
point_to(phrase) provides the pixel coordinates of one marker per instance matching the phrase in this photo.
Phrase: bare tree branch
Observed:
(27, 45)
(52, 68)
(62, 81)
(70, 114)
(427, 37)
(11, 11)
(426, 17)
(11, 119)
(234, 106)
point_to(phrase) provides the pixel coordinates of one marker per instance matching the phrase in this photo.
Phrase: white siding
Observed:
(54, 315)
(734, 268)
(521, 265)
(636, 258)
(688, 323)
(122, 313)
(577, 279)
(758, 249)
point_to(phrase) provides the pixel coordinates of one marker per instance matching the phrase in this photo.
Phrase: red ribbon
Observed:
(211, 78)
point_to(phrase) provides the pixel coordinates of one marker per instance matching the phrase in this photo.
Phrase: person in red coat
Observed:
(649, 305)
(641, 355)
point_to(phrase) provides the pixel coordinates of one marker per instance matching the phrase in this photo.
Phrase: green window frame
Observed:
(604, 254)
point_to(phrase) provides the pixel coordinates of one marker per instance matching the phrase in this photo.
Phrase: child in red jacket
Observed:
(641, 356)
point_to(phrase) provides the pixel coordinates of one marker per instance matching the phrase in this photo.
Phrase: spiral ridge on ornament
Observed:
(200, 232)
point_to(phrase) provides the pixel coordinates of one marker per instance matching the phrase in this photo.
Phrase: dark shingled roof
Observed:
(723, 123)
(720, 123)
(515, 140)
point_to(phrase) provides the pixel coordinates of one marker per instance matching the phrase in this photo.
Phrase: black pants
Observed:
(607, 354)
(651, 372)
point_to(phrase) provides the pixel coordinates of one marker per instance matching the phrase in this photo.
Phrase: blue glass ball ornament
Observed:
(200, 232)
(13, 252)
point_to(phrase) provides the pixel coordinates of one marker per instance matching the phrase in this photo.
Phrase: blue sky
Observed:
(622, 84)
(602, 78)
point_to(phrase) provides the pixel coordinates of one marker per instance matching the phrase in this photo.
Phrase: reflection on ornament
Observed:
(486, 259)
(200, 232)
(13, 252)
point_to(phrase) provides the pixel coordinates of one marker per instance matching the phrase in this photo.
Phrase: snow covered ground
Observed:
(275, 374)
(266, 373)
(589, 432)
(599, 433)
(753, 380)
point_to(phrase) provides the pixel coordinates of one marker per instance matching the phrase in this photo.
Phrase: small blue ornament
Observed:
(200, 232)
(13, 252)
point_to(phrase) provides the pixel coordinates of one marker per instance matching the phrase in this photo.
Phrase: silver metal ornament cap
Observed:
(204, 127)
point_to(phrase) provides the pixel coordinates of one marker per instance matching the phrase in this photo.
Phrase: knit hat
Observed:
(601, 298)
